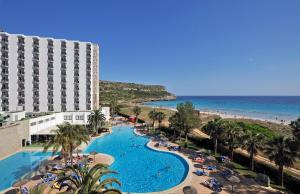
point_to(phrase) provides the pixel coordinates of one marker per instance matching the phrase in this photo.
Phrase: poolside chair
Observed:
(227, 173)
(201, 173)
(24, 190)
(211, 167)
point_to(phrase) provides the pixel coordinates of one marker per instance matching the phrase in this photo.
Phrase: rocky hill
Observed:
(132, 92)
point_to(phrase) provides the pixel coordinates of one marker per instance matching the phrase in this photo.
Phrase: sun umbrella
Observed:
(189, 190)
(233, 180)
(94, 154)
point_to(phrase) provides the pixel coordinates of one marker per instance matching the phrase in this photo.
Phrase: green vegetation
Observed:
(137, 111)
(253, 142)
(282, 151)
(268, 133)
(128, 110)
(214, 129)
(66, 138)
(185, 119)
(131, 92)
(96, 120)
(86, 180)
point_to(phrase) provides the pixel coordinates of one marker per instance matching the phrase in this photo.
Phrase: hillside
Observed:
(132, 92)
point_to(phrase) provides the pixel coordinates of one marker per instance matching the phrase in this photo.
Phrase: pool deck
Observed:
(246, 186)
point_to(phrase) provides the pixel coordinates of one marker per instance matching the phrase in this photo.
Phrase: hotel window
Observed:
(52, 118)
(68, 117)
(79, 117)
(33, 123)
(41, 121)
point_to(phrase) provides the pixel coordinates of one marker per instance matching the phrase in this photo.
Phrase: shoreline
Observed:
(226, 115)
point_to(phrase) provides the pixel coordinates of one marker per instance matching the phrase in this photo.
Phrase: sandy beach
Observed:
(226, 115)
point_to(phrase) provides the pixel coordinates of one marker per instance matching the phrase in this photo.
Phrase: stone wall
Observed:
(11, 137)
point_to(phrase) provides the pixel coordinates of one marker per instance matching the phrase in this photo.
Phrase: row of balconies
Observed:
(4, 78)
(21, 101)
(36, 41)
(4, 55)
(21, 63)
(63, 65)
(36, 107)
(4, 38)
(4, 48)
(21, 78)
(50, 50)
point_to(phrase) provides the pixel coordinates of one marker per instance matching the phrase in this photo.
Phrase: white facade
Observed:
(14, 116)
(46, 74)
(43, 125)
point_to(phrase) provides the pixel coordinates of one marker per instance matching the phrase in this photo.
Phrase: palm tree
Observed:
(96, 119)
(252, 142)
(137, 111)
(66, 139)
(232, 136)
(76, 135)
(296, 129)
(114, 106)
(86, 180)
(153, 116)
(281, 150)
(174, 123)
(59, 142)
(215, 130)
(160, 117)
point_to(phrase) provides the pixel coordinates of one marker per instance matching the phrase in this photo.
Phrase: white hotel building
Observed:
(47, 75)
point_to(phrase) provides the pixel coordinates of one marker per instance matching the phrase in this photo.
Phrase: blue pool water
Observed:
(263, 107)
(18, 165)
(140, 168)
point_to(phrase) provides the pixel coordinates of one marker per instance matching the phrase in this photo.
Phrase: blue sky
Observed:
(194, 47)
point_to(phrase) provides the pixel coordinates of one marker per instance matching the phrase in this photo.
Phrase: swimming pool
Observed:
(18, 165)
(140, 168)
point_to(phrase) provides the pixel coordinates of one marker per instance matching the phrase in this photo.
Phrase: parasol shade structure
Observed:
(94, 153)
(189, 190)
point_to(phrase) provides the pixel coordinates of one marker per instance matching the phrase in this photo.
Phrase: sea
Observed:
(272, 108)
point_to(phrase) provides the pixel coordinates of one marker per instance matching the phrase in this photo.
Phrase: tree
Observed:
(59, 142)
(252, 142)
(160, 117)
(186, 118)
(114, 106)
(214, 129)
(174, 123)
(96, 119)
(137, 111)
(153, 116)
(232, 136)
(76, 135)
(86, 180)
(66, 139)
(296, 130)
(2, 120)
(282, 151)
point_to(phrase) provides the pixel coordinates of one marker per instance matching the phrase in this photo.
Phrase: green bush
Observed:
(258, 129)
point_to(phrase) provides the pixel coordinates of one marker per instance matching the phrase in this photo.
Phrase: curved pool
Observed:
(140, 168)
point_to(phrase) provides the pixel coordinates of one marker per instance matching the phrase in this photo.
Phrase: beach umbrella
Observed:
(94, 153)
(189, 190)
(233, 180)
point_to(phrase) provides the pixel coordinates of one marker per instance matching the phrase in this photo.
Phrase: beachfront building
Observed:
(47, 75)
